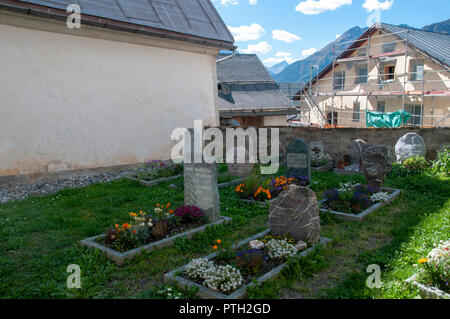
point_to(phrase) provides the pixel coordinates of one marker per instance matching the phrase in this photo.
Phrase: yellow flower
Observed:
(423, 260)
(219, 241)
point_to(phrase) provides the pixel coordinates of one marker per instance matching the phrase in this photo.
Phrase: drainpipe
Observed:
(228, 57)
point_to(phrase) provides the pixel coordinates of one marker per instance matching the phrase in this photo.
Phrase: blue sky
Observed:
(290, 30)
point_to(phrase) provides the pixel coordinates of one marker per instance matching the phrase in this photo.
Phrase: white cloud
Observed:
(319, 6)
(247, 33)
(227, 2)
(285, 36)
(372, 5)
(279, 57)
(261, 48)
(309, 52)
(253, 2)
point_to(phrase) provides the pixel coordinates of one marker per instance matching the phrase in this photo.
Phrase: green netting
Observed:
(394, 119)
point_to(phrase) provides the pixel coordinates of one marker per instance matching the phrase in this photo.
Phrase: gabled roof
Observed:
(187, 20)
(242, 68)
(247, 88)
(434, 45)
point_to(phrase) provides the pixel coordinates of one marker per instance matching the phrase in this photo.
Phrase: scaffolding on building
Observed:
(374, 85)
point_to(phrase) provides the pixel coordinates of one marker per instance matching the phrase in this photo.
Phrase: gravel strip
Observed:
(13, 193)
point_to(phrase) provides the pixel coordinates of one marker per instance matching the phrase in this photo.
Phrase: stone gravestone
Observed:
(317, 147)
(200, 186)
(298, 159)
(240, 169)
(296, 211)
(377, 163)
(356, 150)
(409, 145)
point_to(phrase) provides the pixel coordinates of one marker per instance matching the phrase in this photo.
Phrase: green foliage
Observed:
(416, 165)
(441, 166)
(169, 292)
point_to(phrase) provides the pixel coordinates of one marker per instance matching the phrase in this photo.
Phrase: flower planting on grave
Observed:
(320, 159)
(154, 170)
(434, 270)
(261, 189)
(353, 198)
(144, 228)
(234, 267)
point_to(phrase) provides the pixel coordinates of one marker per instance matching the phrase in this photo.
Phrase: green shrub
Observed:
(441, 166)
(398, 170)
(416, 165)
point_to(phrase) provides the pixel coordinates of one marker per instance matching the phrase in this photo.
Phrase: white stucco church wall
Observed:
(87, 98)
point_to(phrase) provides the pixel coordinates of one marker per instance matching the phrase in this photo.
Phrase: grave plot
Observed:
(227, 273)
(356, 201)
(156, 172)
(262, 189)
(160, 228)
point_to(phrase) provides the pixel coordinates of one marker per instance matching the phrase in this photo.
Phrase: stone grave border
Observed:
(241, 293)
(365, 213)
(325, 168)
(119, 257)
(427, 292)
(154, 182)
(169, 179)
(346, 172)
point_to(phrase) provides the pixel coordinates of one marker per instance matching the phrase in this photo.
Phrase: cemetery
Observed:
(229, 232)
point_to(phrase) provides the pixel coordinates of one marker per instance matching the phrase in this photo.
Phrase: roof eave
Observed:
(58, 14)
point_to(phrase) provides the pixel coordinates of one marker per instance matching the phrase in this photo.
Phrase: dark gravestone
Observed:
(298, 159)
(377, 163)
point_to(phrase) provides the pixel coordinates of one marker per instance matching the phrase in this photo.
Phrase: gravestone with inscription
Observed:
(241, 167)
(200, 186)
(298, 159)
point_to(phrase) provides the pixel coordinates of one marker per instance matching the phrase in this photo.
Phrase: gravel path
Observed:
(11, 193)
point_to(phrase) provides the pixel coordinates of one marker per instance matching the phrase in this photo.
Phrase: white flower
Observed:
(197, 268)
(280, 249)
(222, 278)
(350, 186)
(256, 244)
(379, 197)
(439, 258)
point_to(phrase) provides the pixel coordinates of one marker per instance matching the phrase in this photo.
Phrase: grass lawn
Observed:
(39, 239)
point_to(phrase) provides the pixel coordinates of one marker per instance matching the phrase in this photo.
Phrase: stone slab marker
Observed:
(356, 151)
(298, 158)
(200, 187)
(240, 169)
(409, 145)
(296, 212)
(377, 163)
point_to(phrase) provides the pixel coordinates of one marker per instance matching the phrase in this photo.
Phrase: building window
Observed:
(416, 68)
(389, 72)
(389, 47)
(362, 52)
(332, 120)
(356, 110)
(339, 80)
(415, 111)
(362, 73)
(381, 106)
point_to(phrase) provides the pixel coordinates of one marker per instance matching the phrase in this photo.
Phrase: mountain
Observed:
(443, 27)
(277, 68)
(322, 58)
